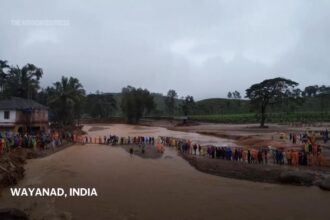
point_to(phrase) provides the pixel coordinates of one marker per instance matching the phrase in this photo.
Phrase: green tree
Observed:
(236, 95)
(269, 92)
(188, 104)
(43, 95)
(3, 76)
(100, 105)
(291, 102)
(311, 91)
(23, 82)
(229, 95)
(135, 103)
(170, 101)
(323, 93)
(65, 99)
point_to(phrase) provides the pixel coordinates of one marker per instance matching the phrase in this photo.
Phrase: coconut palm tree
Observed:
(66, 97)
(23, 82)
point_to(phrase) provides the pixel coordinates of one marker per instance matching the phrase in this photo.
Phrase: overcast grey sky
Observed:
(201, 48)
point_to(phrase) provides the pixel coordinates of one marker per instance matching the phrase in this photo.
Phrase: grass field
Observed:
(303, 117)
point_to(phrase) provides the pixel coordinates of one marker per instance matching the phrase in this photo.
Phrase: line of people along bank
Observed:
(310, 155)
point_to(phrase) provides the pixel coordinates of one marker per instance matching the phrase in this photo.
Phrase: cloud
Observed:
(200, 48)
(40, 37)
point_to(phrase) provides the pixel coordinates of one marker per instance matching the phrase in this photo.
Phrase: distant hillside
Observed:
(203, 107)
(159, 99)
(221, 106)
(218, 106)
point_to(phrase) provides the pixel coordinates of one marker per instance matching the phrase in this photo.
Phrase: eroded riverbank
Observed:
(165, 188)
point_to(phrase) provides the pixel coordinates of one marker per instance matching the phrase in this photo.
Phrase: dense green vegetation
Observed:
(271, 92)
(302, 117)
(66, 98)
(170, 101)
(221, 106)
(21, 82)
(100, 105)
(135, 103)
(272, 100)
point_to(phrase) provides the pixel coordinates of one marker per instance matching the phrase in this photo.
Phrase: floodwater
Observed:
(125, 130)
(137, 188)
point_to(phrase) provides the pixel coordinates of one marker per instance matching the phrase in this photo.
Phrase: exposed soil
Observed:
(96, 128)
(268, 173)
(130, 187)
(12, 167)
(251, 135)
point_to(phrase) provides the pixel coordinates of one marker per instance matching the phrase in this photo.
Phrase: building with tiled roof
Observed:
(22, 115)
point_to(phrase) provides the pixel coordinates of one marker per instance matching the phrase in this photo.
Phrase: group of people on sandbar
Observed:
(114, 140)
(140, 141)
(310, 155)
(306, 137)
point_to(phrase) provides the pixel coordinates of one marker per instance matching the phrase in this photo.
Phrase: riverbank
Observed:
(12, 167)
(230, 135)
(12, 163)
(250, 135)
(267, 173)
(134, 188)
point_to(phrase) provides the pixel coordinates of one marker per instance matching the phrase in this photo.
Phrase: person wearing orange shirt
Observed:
(295, 158)
(289, 157)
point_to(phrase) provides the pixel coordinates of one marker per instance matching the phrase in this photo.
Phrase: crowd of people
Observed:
(55, 138)
(310, 154)
(140, 141)
(304, 138)
(113, 139)
(39, 140)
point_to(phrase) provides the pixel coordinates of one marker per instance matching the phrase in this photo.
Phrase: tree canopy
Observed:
(234, 95)
(65, 97)
(135, 103)
(67, 101)
(170, 101)
(100, 105)
(20, 82)
(188, 105)
(270, 92)
(3, 75)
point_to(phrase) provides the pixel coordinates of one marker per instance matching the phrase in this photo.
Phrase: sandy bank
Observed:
(268, 173)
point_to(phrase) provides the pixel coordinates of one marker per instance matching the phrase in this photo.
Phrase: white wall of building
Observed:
(12, 117)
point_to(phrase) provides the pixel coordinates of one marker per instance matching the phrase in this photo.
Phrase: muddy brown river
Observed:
(166, 188)
(129, 130)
